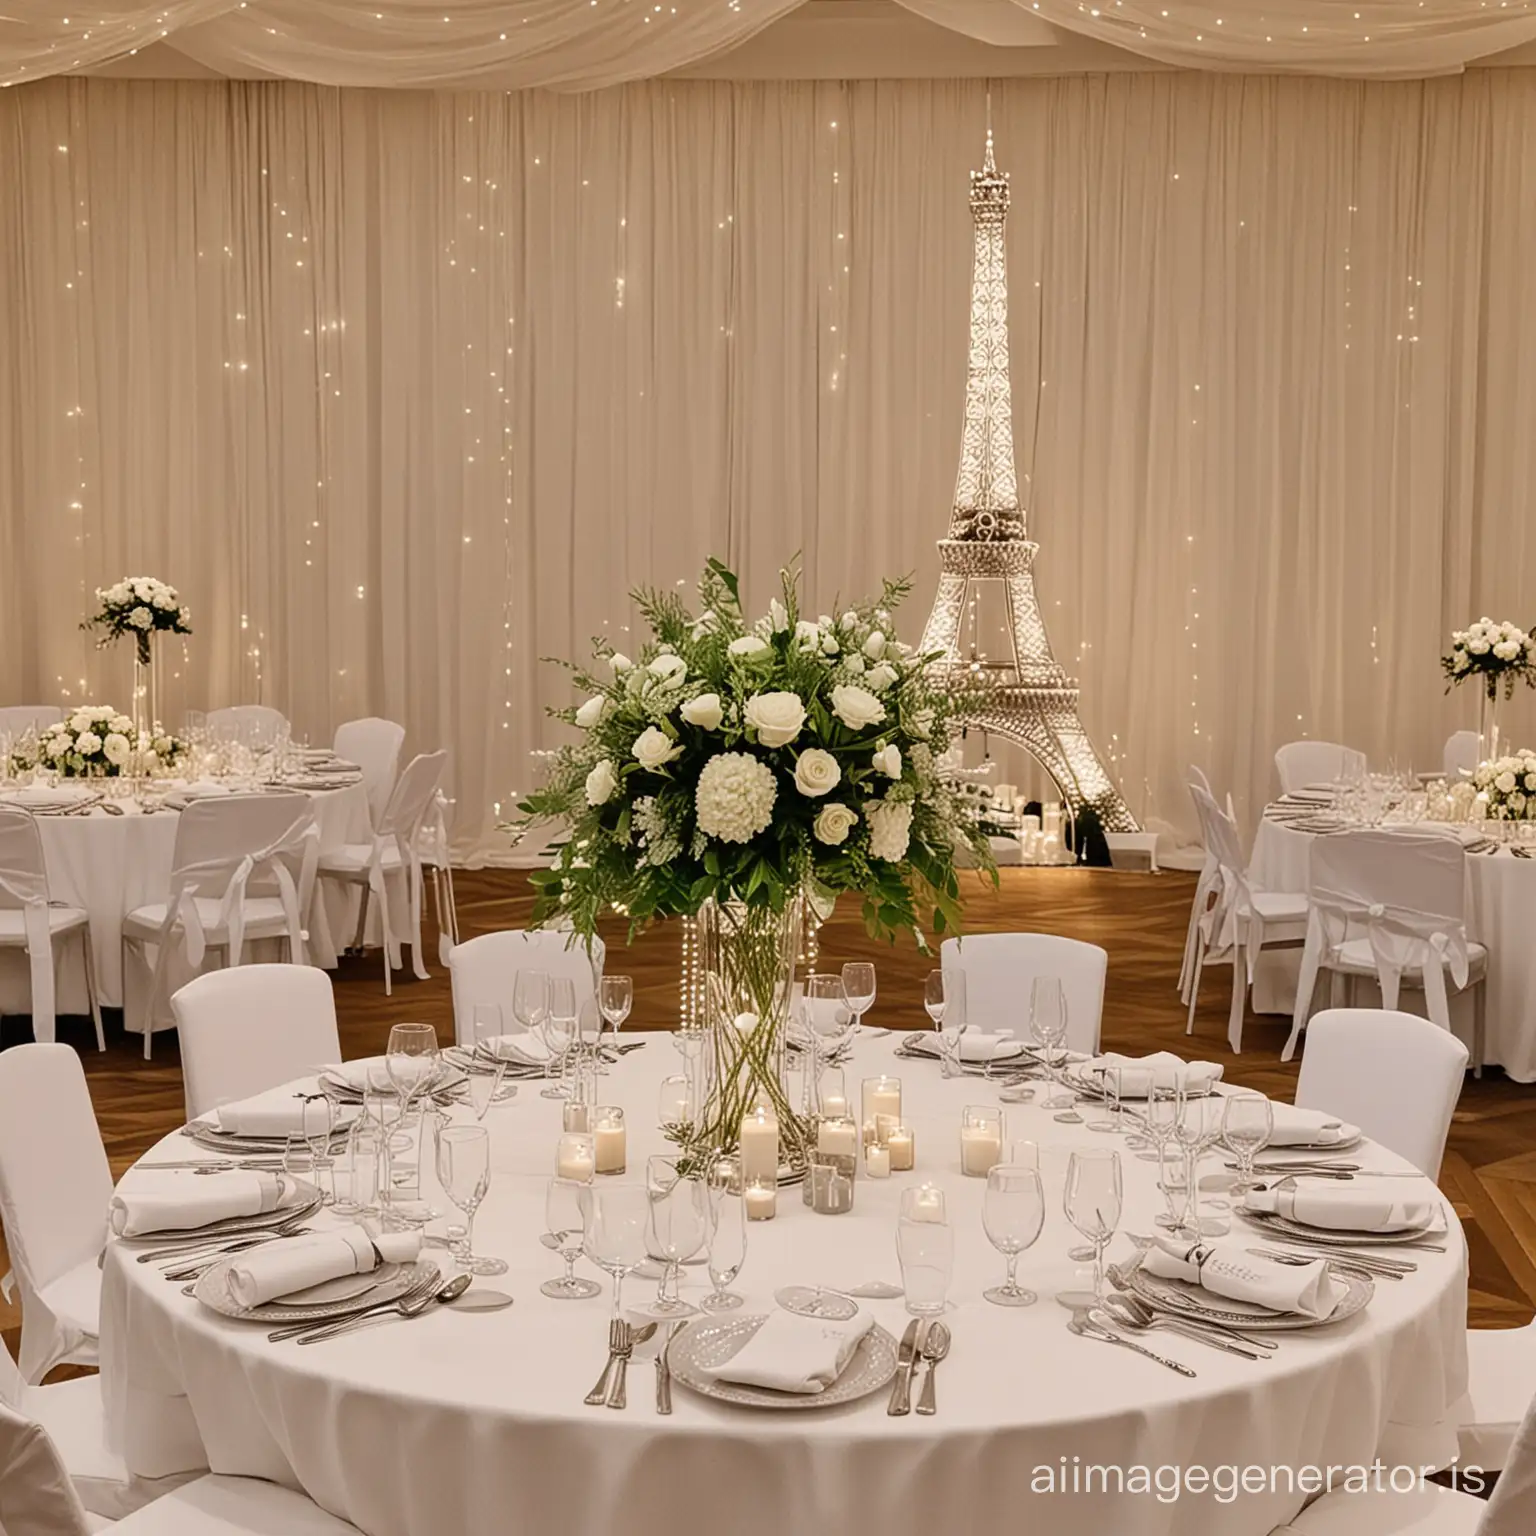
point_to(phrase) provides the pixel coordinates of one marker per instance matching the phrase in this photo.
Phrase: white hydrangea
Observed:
(890, 829)
(87, 743)
(735, 797)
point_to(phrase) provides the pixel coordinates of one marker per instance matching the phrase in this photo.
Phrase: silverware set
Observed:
(612, 1388)
(923, 1347)
(1085, 1325)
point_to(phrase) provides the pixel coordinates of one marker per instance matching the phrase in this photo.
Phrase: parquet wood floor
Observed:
(1490, 1166)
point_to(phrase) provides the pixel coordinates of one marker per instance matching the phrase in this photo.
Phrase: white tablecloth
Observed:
(454, 1423)
(111, 865)
(1501, 914)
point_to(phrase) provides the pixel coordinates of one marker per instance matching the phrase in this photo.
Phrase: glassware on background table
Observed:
(1093, 1201)
(944, 1003)
(727, 1243)
(981, 1139)
(530, 1003)
(318, 1117)
(615, 998)
(995, 1054)
(560, 1035)
(1048, 1025)
(1109, 1120)
(677, 1229)
(361, 1158)
(1247, 1123)
(1012, 1215)
(859, 988)
(614, 1236)
(565, 1221)
(925, 1248)
(464, 1170)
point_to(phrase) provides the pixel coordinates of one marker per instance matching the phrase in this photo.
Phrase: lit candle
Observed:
(760, 1147)
(761, 1201)
(928, 1205)
(903, 1149)
(609, 1135)
(834, 1105)
(882, 1096)
(575, 1115)
(838, 1136)
(576, 1157)
(981, 1150)
(877, 1162)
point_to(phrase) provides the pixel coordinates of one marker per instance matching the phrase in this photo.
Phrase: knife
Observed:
(664, 1371)
(906, 1363)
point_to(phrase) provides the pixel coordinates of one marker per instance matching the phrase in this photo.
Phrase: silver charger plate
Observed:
(710, 1342)
(1185, 1299)
(1335, 1237)
(304, 1204)
(1348, 1144)
(208, 1135)
(394, 1281)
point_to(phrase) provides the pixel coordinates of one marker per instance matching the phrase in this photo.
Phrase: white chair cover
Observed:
(257, 725)
(1405, 892)
(1395, 1075)
(1501, 1380)
(55, 1187)
(435, 851)
(233, 1506)
(484, 970)
(1000, 968)
(24, 886)
(1207, 888)
(1300, 763)
(1462, 751)
(374, 745)
(244, 1031)
(36, 1495)
(1512, 1509)
(17, 719)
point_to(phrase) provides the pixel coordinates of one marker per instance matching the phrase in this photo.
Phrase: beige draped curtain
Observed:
(405, 391)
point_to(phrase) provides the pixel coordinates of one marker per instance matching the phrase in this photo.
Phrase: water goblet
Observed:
(1012, 1215)
(1247, 1123)
(727, 1243)
(412, 1059)
(1199, 1128)
(859, 988)
(678, 1229)
(1093, 1200)
(464, 1170)
(614, 1235)
(565, 1222)
(615, 997)
(925, 1249)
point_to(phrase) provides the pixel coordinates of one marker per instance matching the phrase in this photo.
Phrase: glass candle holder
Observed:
(760, 1199)
(609, 1136)
(760, 1146)
(829, 1180)
(837, 1135)
(576, 1115)
(576, 1157)
(877, 1161)
(925, 1247)
(834, 1093)
(880, 1105)
(981, 1140)
(727, 1174)
(902, 1145)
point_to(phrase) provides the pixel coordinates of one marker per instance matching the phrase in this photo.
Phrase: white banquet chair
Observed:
(374, 745)
(17, 719)
(1237, 919)
(55, 1187)
(246, 1030)
(1462, 750)
(1501, 1380)
(30, 921)
(1300, 763)
(393, 852)
(1384, 906)
(254, 725)
(243, 869)
(484, 971)
(1000, 968)
(1395, 1075)
(435, 851)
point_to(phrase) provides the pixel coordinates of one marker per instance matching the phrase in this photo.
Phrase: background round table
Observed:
(1501, 914)
(456, 1422)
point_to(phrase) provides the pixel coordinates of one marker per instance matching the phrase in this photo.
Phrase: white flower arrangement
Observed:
(750, 762)
(1508, 786)
(139, 606)
(1493, 653)
(98, 741)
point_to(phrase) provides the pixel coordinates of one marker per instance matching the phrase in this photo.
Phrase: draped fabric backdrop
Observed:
(405, 391)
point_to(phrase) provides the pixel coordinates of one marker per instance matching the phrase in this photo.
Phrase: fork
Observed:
(618, 1333)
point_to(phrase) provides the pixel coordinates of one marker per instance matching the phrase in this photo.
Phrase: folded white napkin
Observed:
(278, 1269)
(791, 1353)
(1307, 1127)
(1228, 1269)
(356, 1074)
(177, 1199)
(277, 1112)
(523, 1048)
(1352, 1207)
(1138, 1074)
(975, 1044)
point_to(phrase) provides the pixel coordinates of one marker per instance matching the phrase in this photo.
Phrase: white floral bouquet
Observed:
(97, 741)
(754, 762)
(138, 606)
(1508, 784)
(1494, 653)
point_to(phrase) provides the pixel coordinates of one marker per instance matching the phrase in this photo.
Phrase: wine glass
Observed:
(944, 1002)
(1012, 1215)
(1093, 1200)
(1247, 1123)
(464, 1171)
(558, 1027)
(1109, 1121)
(488, 1065)
(615, 997)
(318, 1115)
(676, 1230)
(565, 1222)
(925, 1249)
(530, 1002)
(727, 1244)
(614, 1236)
(1199, 1128)
(1048, 1025)
(412, 1059)
(859, 988)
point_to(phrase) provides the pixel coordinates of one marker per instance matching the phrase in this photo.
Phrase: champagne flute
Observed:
(614, 1235)
(464, 1170)
(727, 1245)
(318, 1115)
(565, 1222)
(1093, 1201)
(676, 1230)
(859, 988)
(1012, 1215)
(559, 1030)
(615, 997)
(1247, 1123)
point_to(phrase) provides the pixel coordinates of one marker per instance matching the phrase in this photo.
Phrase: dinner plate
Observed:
(302, 1204)
(343, 1288)
(1186, 1299)
(1336, 1237)
(710, 1342)
(1280, 1151)
(206, 1134)
(390, 1283)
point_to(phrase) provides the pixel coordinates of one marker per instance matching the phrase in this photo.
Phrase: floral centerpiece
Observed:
(97, 741)
(1499, 656)
(1508, 785)
(139, 606)
(735, 769)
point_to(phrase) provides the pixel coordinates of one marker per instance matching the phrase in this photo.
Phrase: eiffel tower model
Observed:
(1029, 700)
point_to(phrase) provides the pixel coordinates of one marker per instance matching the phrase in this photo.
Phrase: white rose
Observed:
(778, 615)
(704, 712)
(116, 748)
(850, 618)
(119, 593)
(808, 634)
(1478, 647)
(880, 678)
(834, 822)
(1530, 781)
(87, 742)
(874, 647)
(1505, 783)
(669, 667)
(592, 711)
(817, 773)
(1506, 650)
(855, 664)
(776, 717)
(601, 783)
(749, 648)
(654, 749)
(143, 587)
(920, 722)
(162, 600)
(888, 761)
(619, 662)
(79, 721)
(856, 707)
(829, 645)
(141, 618)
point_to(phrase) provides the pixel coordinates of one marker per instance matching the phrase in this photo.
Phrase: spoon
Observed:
(1082, 1325)
(1126, 1312)
(935, 1347)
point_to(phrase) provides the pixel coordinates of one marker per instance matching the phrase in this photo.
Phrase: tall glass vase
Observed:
(746, 956)
(146, 691)
(1490, 737)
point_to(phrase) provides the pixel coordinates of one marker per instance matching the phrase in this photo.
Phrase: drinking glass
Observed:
(1093, 1200)
(565, 1223)
(1247, 1123)
(297, 1158)
(614, 1235)
(1198, 1129)
(827, 1019)
(464, 1171)
(318, 1116)
(727, 1243)
(364, 1150)
(859, 988)
(559, 1030)
(1012, 1215)
(676, 1229)
(1048, 1025)
(615, 997)
(944, 1001)
(925, 1248)
(530, 1002)
(489, 1064)
(1111, 1112)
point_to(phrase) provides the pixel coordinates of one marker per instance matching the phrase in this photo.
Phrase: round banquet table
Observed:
(111, 865)
(475, 1422)
(1501, 914)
